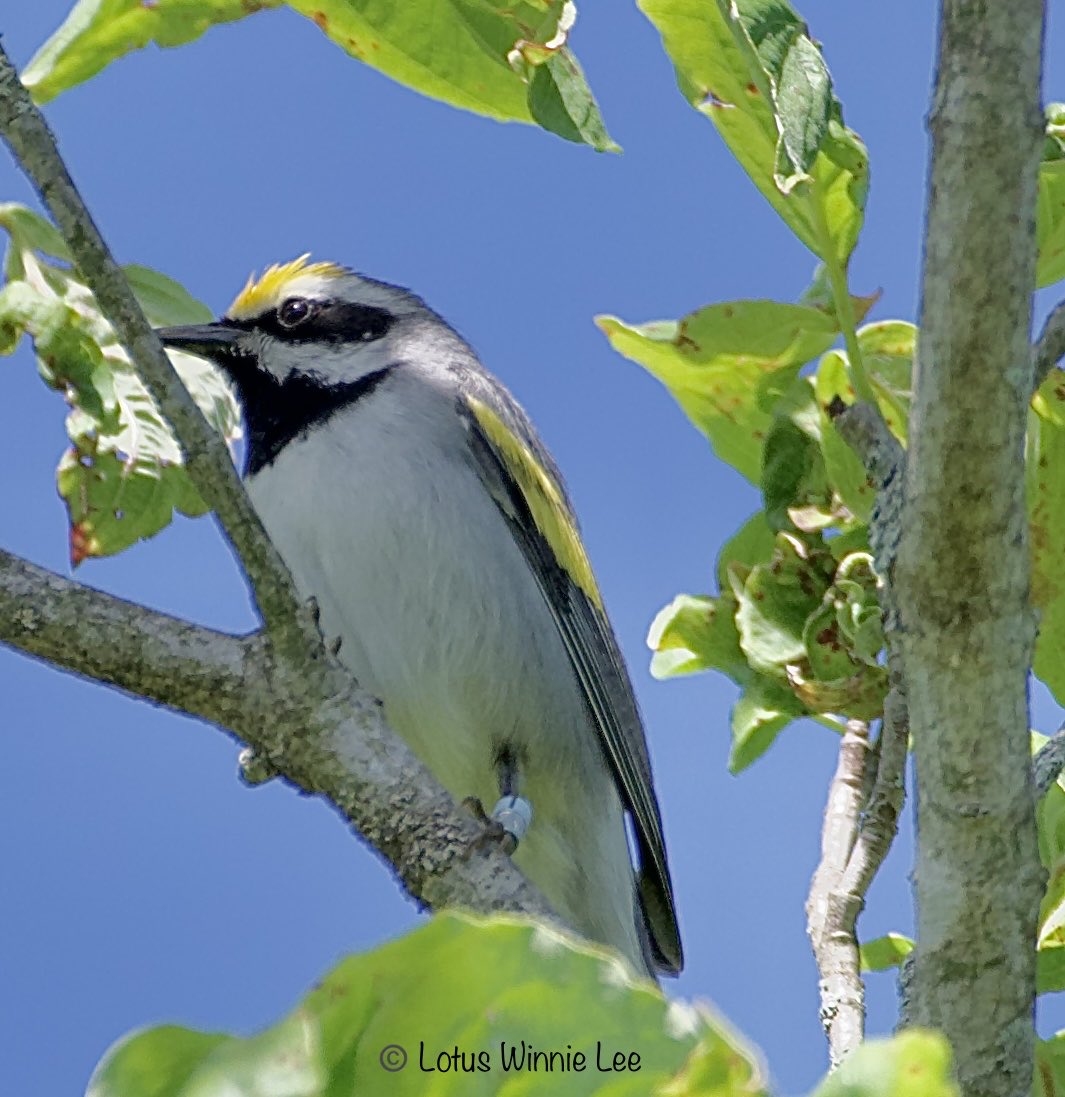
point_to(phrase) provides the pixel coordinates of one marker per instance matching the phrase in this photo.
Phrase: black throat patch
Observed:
(276, 412)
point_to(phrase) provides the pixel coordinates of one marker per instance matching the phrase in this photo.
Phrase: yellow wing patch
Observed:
(542, 496)
(264, 292)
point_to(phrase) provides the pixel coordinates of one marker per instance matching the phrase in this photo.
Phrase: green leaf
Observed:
(1049, 1067)
(825, 647)
(1046, 515)
(97, 32)
(164, 301)
(762, 712)
(155, 1063)
(884, 952)
(752, 544)
(1050, 970)
(561, 101)
(775, 602)
(805, 107)
(123, 477)
(795, 489)
(505, 60)
(695, 633)
(915, 1063)
(844, 469)
(1050, 204)
(888, 350)
(751, 67)
(1050, 819)
(29, 231)
(727, 365)
(456, 986)
(819, 636)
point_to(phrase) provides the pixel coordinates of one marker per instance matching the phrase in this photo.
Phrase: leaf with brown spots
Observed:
(727, 365)
(773, 103)
(506, 60)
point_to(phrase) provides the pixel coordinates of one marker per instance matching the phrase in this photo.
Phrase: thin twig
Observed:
(880, 818)
(1049, 348)
(1048, 763)
(836, 953)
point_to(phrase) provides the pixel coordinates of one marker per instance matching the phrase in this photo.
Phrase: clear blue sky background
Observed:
(142, 882)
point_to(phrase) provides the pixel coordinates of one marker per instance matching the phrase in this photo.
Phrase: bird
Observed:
(411, 497)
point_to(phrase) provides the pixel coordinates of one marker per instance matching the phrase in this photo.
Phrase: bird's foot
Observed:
(505, 827)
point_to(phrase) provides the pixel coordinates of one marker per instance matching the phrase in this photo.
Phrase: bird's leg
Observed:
(511, 816)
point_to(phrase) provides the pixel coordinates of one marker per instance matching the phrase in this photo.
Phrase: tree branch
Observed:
(1050, 346)
(1048, 764)
(316, 729)
(828, 907)
(962, 569)
(280, 691)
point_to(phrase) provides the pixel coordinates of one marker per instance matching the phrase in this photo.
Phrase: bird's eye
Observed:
(293, 311)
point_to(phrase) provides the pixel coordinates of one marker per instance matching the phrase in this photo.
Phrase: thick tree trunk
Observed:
(961, 578)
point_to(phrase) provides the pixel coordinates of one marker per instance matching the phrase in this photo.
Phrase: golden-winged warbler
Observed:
(409, 494)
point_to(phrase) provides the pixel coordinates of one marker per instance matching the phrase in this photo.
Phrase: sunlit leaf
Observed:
(884, 953)
(727, 365)
(915, 1063)
(509, 61)
(395, 1020)
(752, 68)
(695, 633)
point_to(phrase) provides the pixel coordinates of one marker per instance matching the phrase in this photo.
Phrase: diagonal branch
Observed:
(310, 724)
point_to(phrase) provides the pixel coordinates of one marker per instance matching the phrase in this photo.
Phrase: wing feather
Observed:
(528, 490)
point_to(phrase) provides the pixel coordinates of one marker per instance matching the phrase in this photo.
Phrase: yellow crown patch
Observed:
(264, 293)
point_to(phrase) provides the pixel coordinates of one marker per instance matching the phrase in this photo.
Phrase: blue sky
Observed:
(143, 883)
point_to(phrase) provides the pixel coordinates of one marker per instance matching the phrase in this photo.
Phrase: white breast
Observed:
(382, 519)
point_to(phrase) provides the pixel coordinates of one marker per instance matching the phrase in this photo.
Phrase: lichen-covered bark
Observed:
(961, 575)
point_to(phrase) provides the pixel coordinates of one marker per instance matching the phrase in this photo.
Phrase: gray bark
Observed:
(961, 574)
